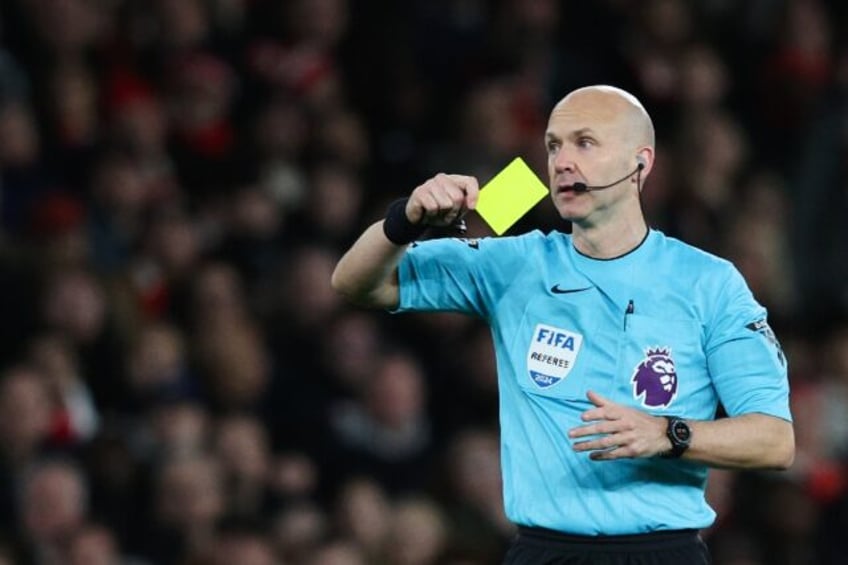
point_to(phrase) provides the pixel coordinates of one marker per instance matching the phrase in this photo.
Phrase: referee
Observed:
(615, 346)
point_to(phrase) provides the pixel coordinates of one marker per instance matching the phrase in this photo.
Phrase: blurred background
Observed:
(180, 386)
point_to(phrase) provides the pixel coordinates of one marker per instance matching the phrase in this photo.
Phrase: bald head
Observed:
(613, 106)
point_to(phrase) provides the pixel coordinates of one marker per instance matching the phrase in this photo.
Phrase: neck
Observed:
(610, 240)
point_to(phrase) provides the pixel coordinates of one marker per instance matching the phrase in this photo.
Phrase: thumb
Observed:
(597, 399)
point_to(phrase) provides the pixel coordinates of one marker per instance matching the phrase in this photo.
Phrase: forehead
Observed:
(590, 110)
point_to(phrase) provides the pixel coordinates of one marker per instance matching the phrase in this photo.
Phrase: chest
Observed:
(635, 343)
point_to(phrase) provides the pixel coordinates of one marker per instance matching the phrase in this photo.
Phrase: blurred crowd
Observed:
(180, 386)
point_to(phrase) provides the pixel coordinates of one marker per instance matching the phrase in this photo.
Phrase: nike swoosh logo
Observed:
(557, 290)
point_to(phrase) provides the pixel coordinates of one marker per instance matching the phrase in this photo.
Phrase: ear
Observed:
(645, 160)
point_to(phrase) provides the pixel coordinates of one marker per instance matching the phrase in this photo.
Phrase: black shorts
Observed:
(538, 546)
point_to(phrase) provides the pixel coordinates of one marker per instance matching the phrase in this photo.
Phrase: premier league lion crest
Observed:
(655, 378)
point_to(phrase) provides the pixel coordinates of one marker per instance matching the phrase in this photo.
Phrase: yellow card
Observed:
(510, 195)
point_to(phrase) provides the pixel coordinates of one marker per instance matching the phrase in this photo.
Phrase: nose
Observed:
(562, 162)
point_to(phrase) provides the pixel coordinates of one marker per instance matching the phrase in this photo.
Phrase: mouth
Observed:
(565, 188)
(565, 183)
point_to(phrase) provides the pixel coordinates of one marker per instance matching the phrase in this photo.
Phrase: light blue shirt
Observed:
(666, 328)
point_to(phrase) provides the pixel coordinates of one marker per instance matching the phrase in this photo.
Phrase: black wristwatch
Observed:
(680, 434)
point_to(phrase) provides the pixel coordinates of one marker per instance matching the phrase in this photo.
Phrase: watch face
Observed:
(681, 431)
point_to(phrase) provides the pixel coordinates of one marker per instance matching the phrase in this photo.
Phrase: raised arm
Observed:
(367, 273)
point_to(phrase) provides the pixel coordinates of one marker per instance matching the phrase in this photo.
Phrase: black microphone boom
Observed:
(581, 186)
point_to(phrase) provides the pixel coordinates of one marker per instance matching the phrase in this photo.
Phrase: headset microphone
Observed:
(582, 187)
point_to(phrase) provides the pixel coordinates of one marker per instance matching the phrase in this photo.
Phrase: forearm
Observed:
(367, 273)
(750, 441)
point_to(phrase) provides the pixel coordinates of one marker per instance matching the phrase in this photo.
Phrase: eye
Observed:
(585, 142)
(552, 147)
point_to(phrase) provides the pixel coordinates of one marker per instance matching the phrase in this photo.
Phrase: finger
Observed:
(593, 414)
(451, 198)
(609, 454)
(583, 431)
(606, 442)
(430, 204)
(581, 446)
(447, 193)
(470, 187)
(605, 413)
(597, 399)
(602, 427)
(424, 198)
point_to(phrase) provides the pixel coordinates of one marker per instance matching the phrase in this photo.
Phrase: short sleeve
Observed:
(747, 365)
(457, 275)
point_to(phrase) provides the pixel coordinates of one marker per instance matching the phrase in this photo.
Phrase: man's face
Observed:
(588, 140)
